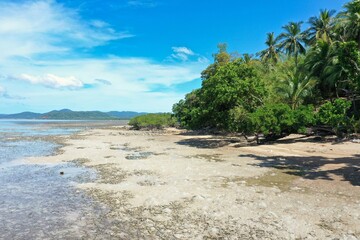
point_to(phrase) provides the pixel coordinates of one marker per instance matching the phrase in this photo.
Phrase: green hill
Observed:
(67, 114)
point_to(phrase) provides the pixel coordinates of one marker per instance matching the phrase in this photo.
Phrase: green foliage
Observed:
(272, 119)
(153, 121)
(335, 115)
(292, 40)
(272, 52)
(321, 28)
(189, 112)
(295, 85)
(304, 118)
(272, 94)
(348, 22)
(233, 85)
(280, 119)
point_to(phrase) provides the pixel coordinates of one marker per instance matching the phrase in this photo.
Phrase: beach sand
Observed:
(177, 185)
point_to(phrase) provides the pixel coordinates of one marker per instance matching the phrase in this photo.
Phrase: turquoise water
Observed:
(36, 201)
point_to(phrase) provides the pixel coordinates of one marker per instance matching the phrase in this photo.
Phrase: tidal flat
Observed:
(186, 187)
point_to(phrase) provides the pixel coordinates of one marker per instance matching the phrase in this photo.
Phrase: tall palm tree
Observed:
(349, 22)
(321, 27)
(292, 40)
(271, 53)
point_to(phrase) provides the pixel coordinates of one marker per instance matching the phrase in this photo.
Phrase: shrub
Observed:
(153, 121)
(304, 117)
(276, 120)
(272, 119)
(335, 115)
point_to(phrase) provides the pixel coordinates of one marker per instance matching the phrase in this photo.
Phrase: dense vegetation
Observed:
(302, 79)
(153, 121)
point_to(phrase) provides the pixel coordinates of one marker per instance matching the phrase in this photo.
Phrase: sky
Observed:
(136, 55)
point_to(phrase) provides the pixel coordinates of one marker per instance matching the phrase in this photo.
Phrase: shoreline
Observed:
(180, 186)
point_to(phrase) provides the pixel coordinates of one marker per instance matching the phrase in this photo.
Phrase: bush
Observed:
(153, 121)
(304, 117)
(272, 119)
(335, 115)
(276, 120)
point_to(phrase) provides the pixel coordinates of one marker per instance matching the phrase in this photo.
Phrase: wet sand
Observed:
(177, 185)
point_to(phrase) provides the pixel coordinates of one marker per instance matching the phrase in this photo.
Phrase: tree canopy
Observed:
(301, 79)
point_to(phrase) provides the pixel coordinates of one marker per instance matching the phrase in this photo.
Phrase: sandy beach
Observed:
(175, 184)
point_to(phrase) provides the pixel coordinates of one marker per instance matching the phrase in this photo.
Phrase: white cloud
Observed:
(36, 27)
(52, 81)
(182, 53)
(40, 29)
(133, 81)
(183, 50)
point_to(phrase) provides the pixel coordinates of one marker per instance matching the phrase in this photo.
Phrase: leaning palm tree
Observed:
(271, 53)
(292, 40)
(349, 22)
(321, 28)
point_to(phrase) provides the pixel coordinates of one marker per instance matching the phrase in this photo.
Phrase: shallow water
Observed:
(36, 201)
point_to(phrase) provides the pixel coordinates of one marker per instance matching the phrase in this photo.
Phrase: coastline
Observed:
(176, 185)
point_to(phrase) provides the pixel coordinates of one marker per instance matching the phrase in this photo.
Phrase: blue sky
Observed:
(140, 55)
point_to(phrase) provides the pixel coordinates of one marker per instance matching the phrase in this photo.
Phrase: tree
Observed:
(292, 40)
(222, 57)
(271, 53)
(321, 28)
(189, 111)
(318, 58)
(343, 71)
(232, 86)
(295, 86)
(235, 84)
(349, 22)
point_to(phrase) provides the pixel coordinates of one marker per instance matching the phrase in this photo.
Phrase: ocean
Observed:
(36, 201)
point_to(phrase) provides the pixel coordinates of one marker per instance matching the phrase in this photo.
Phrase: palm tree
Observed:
(349, 22)
(271, 53)
(295, 86)
(292, 40)
(319, 58)
(321, 27)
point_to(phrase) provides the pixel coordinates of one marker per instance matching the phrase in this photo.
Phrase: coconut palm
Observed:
(295, 86)
(271, 53)
(321, 27)
(349, 22)
(292, 40)
(319, 58)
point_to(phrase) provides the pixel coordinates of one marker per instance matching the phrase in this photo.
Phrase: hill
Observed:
(67, 114)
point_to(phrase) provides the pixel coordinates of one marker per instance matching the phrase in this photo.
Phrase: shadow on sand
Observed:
(218, 141)
(313, 167)
(210, 141)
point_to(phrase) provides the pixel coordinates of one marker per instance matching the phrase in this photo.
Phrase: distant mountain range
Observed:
(67, 114)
